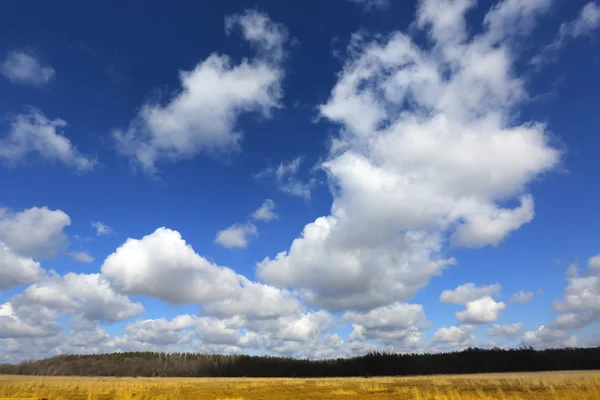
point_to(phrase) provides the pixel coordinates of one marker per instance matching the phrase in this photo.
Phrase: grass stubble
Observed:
(516, 386)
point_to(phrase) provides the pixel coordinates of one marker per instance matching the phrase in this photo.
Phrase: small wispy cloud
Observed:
(25, 68)
(236, 236)
(285, 175)
(102, 229)
(265, 211)
(82, 257)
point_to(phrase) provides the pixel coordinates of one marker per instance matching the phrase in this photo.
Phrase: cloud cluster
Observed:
(427, 152)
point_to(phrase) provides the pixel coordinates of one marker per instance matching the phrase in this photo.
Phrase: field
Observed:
(536, 386)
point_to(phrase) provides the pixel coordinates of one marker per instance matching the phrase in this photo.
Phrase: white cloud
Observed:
(24, 322)
(88, 295)
(594, 263)
(481, 311)
(454, 336)
(266, 211)
(160, 331)
(468, 292)
(515, 17)
(428, 152)
(546, 337)
(586, 22)
(16, 270)
(236, 235)
(256, 300)
(35, 232)
(267, 37)
(102, 229)
(25, 68)
(399, 325)
(164, 266)
(580, 305)
(32, 132)
(371, 5)
(286, 179)
(510, 330)
(82, 256)
(202, 117)
(522, 297)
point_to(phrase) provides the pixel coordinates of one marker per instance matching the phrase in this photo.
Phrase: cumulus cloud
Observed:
(25, 68)
(87, 295)
(35, 232)
(164, 266)
(481, 311)
(286, 178)
(429, 151)
(102, 229)
(398, 325)
(27, 322)
(265, 212)
(547, 337)
(454, 336)
(16, 270)
(202, 116)
(32, 132)
(468, 292)
(237, 235)
(580, 305)
(160, 331)
(509, 330)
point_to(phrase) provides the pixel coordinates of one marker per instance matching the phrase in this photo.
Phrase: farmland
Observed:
(508, 386)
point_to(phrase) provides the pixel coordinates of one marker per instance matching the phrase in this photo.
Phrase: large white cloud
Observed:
(399, 325)
(26, 322)
(16, 270)
(35, 232)
(87, 295)
(164, 266)
(33, 132)
(428, 153)
(202, 117)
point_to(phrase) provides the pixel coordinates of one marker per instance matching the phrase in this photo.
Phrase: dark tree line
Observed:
(472, 360)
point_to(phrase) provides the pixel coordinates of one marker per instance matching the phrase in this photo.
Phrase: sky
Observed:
(310, 179)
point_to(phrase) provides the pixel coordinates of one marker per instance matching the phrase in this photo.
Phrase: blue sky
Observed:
(302, 179)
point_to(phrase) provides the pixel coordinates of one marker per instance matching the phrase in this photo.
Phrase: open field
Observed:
(537, 386)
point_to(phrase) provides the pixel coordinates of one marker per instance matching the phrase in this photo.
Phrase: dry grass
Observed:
(528, 386)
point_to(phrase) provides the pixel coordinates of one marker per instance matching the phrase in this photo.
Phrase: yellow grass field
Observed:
(537, 386)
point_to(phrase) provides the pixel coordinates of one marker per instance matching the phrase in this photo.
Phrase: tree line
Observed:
(152, 364)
